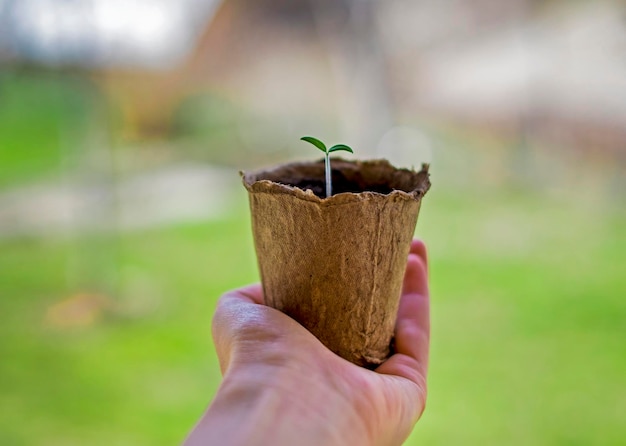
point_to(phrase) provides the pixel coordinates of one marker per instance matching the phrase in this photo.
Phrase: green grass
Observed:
(44, 118)
(528, 328)
(528, 287)
(140, 374)
(528, 323)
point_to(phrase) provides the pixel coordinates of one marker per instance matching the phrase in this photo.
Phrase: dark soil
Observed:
(340, 184)
(347, 176)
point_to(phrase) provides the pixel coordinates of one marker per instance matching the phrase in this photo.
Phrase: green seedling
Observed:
(320, 145)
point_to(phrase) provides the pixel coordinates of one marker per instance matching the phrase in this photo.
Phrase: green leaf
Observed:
(316, 142)
(338, 147)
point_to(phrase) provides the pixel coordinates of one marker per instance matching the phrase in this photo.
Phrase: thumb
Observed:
(236, 313)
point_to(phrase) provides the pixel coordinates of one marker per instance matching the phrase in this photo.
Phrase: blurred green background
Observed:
(122, 219)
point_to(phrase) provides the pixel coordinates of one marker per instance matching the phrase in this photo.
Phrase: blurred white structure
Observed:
(98, 33)
(178, 193)
(570, 64)
(553, 71)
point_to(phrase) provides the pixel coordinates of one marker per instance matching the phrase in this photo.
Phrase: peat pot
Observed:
(336, 265)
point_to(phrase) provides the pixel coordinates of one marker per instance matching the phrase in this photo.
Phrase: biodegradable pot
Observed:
(336, 265)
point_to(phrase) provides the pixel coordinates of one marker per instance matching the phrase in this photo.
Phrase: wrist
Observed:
(281, 406)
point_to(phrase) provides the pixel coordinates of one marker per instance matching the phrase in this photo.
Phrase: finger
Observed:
(413, 323)
(412, 334)
(413, 328)
(418, 247)
(252, 293)
(415, 276)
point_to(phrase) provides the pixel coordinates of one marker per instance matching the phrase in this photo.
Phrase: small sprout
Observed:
(320, 145)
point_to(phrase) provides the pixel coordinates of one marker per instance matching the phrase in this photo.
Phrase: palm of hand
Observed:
(262, 345)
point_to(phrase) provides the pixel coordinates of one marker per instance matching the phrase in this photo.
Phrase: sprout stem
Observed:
(328, 176)
(320, 145)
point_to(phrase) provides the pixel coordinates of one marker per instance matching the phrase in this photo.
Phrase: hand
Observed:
(283, 387)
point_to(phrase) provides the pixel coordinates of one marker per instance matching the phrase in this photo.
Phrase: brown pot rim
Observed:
(253, 185)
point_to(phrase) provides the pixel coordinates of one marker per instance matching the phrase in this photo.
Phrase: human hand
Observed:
(283, 387)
